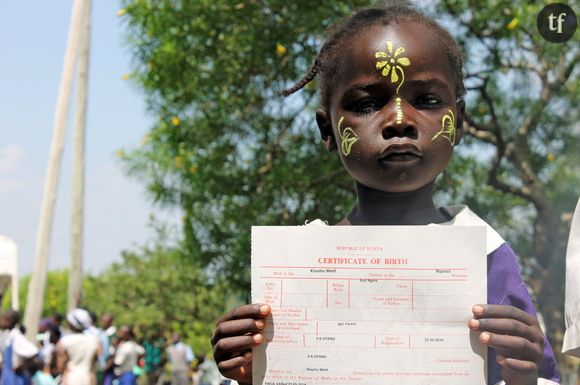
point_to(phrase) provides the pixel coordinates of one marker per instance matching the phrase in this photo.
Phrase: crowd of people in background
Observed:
(91, 351)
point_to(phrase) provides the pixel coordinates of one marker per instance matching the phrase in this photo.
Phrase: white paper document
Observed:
(369, 304)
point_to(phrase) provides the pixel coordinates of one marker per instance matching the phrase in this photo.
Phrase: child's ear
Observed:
(325, 127)
(459, 122)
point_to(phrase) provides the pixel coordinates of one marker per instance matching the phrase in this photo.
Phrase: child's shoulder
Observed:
(316, 222)
(461, 215)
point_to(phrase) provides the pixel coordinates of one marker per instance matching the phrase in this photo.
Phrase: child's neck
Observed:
(374, 207)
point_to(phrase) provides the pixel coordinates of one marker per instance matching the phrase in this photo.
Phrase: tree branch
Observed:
(499, 142)
(478, 131)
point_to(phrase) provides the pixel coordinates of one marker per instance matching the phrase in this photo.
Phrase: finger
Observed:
(512, 367)
(508, 327)
(235, 363)
(237, 328)
(224, 348)
(254, 310)
(512, 347)
(503, 311)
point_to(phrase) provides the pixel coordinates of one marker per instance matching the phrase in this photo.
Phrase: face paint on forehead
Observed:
(347, 138)
(391, 64)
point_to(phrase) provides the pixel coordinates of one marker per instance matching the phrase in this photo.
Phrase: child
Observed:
(391, 88)
(35, 368)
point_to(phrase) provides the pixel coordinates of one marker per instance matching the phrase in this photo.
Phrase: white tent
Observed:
(9, 269)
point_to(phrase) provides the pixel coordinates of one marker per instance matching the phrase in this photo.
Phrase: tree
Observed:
(55, 295)
(156, 289)
(227, 149)
(230, 152)
(524, 92)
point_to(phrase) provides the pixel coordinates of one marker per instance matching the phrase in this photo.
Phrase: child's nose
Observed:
(399, 122)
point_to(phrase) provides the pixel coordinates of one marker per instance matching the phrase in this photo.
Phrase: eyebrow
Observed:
(427, 82)
(364, 86)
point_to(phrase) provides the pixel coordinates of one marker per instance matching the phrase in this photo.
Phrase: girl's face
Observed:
(391, 131)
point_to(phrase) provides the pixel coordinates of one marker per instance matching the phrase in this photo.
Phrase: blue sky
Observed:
(33, 39)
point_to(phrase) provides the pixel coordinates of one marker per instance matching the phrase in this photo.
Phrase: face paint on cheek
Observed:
(390, 63)
(347, 138)
(447, 128)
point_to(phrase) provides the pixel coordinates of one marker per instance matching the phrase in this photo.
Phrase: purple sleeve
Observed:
(505, 287)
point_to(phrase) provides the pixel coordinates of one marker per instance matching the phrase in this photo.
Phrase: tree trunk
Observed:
(547, 280)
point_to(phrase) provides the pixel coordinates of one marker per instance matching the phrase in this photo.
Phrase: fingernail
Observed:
(477, 310)
(260, 324)
(499, 358)
(484, 338)
(473, 323)
(265, 309)
(248, 355)
(258, 338)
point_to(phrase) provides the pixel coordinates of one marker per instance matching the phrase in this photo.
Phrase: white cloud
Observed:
(11, 157)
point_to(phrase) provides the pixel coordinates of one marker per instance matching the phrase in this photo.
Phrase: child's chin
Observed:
(396, 187)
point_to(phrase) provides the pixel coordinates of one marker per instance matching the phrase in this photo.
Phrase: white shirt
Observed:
(180, 355)
(127, 355)
(81, 350)
(22, 348)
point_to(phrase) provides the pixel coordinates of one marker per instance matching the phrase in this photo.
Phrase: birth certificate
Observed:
(369, 304)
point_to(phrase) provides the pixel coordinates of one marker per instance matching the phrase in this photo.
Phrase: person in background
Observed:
(207, 372)
(110, 374)
(107, 325)
(77, 352)
(180, 357)
(154, 358)
(104, 344)
(109, 350)
(92, 329)
(43, 330)
(39, 377)
(50, 353)
(48, 335)
(56, 321)
(15, 351)
(127, 356)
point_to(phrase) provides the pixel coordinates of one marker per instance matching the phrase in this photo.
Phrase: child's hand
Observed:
(516, 337)
(233, 338)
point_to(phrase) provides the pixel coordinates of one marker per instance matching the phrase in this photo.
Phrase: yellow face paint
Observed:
(347, 138)
(390, 63)
(447, 128)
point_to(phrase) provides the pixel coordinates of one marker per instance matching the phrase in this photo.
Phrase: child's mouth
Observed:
(400, 153)
(400, 157)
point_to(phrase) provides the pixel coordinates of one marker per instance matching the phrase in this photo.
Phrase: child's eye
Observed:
(365, 106)
(428, 100)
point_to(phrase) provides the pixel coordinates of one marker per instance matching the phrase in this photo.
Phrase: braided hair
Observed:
(327, 65)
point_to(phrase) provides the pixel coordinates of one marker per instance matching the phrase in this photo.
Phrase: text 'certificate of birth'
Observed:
(369, 304)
